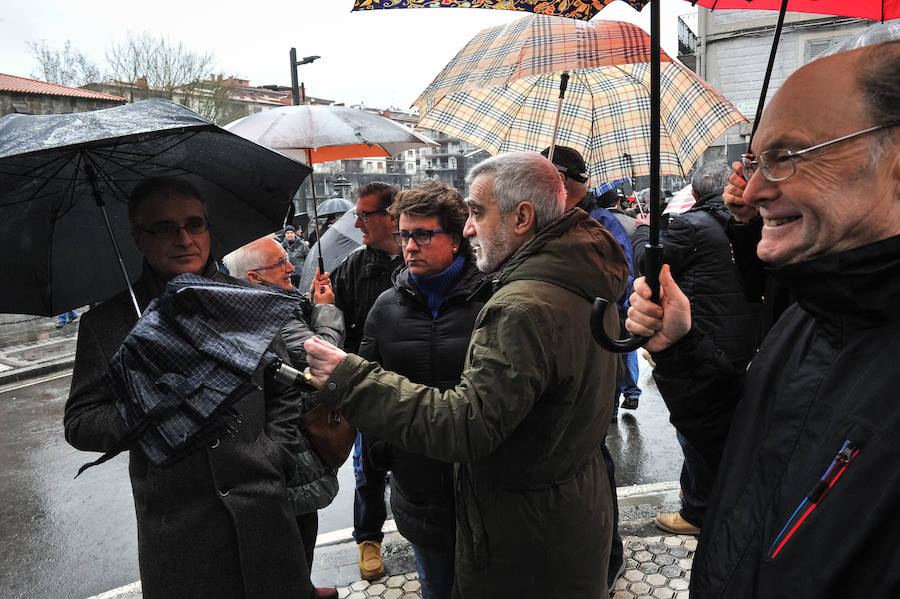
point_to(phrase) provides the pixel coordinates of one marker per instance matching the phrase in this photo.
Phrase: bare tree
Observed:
(65, 67)
(148, 66)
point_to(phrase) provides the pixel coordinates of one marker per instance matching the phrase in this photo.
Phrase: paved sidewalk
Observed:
(33, 346)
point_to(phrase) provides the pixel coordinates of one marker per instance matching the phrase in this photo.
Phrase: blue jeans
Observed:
(696, 483)
(369, 510)
(628, 386)
(435, 568)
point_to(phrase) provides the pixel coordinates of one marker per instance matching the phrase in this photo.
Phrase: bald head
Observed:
(846, 194)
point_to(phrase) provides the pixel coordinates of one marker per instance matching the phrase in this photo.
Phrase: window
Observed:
(814, 48)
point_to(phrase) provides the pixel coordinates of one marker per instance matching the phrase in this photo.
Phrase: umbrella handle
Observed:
(652, 259)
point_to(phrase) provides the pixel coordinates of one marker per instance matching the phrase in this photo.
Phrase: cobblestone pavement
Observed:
(657, 567)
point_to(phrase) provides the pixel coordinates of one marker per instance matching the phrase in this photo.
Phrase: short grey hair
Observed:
(246, 258)
(710, 177)
(525, 177)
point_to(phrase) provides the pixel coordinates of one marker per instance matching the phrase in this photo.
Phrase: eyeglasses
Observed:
(364, 215)
(170, 230)
(278, 264)
(422, 237)
(779, 164)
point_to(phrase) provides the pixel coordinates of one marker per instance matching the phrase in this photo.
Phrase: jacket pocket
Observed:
(815, 497)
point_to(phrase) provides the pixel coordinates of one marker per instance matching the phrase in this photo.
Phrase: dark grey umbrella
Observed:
(187, 360)
(64, 183)
(338, 241)
(334, 206)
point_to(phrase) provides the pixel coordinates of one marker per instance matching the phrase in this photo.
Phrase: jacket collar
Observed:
(862, 283)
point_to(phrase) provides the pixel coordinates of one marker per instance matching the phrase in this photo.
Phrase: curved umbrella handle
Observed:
(652, 259)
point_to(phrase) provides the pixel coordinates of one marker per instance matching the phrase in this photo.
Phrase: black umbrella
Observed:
(65, 180)
(187, 360)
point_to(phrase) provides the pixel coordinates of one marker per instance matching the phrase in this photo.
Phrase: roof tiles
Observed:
(23, 85)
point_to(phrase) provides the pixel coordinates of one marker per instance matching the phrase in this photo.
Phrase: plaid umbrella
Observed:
(501, 90)
(187, 360)
(575, 9)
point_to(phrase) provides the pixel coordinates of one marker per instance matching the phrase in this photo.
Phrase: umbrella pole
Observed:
(563, 84)
(312, 184)
(101, 204)
(653, 253)
(765, 85)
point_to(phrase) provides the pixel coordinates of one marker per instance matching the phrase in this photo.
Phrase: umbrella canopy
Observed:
(188, 358)
(867, 9)
(501, 90)
(575, 9)
(56, 247)
(327, 133)
(334, 206)
(336, 243)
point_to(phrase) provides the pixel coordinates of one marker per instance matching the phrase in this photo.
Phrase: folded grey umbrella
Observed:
(188, 359)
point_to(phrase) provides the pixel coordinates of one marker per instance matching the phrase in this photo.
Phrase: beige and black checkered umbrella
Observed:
(501, 93)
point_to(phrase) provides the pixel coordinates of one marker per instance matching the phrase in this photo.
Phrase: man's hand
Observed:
(323, 358)
(734, 195)
(320, 289)
(642, 219)
(664, 324)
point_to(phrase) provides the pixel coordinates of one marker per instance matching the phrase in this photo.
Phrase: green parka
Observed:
(525, 423)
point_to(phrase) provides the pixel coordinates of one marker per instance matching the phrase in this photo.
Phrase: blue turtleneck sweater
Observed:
(435, 287)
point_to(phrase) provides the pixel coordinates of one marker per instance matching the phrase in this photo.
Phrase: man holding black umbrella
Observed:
(216, 523)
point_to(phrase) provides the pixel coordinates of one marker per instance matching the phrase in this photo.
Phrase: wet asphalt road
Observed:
(65, 538)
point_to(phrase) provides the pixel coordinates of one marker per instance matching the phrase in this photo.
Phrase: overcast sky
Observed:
(378, 58)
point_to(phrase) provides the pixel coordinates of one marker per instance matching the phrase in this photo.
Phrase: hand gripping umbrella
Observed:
(65, 180)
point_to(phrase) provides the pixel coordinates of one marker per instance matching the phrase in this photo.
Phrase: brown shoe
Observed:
(324, 593)
(674, 523)
(370, 565)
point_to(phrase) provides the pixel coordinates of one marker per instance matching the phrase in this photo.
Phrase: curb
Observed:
(27, 373)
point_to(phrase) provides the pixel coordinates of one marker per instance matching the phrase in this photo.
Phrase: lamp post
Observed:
(295, 88)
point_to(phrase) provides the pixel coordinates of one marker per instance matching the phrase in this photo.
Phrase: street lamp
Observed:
(295, 88)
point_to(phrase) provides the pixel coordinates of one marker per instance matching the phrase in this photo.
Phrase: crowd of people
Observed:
(456, 340)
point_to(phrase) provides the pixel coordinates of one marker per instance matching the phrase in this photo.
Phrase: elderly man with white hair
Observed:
(526, 422)
(265, 262)
(804, 442)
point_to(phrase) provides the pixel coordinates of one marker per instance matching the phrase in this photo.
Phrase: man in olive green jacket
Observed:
(525, 423)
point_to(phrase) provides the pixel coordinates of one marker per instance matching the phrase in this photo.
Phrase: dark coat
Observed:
(357, 282)
(697, 249)
(218, 522)
(526, 422)
(403, 336)
(823, 377)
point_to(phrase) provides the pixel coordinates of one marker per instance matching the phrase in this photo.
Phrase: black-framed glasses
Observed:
(364, 215)
(779, 164)
(170, 230)
(422, 237)
(278, 264)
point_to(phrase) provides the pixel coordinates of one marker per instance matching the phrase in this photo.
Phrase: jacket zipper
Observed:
(847, 454)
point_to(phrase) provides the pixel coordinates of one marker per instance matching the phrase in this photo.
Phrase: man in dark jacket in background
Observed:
(357, 283)
(266, 263)
(803, 443)
(698, 252)
(217, 523)
(528, 418)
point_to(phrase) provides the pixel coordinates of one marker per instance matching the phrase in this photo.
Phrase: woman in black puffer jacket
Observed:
(420, 328)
